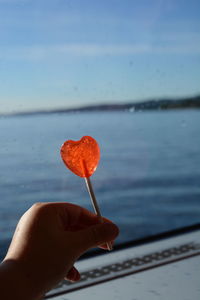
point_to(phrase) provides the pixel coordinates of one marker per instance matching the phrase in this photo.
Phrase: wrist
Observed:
(15, 283)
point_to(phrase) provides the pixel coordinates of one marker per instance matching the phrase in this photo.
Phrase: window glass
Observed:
(125, 72)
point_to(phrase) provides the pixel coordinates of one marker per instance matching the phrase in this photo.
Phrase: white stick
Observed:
(95, 204)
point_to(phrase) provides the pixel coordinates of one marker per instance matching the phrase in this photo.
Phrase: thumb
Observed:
(96, 235)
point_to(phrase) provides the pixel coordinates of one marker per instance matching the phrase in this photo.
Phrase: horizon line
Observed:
(105, 106)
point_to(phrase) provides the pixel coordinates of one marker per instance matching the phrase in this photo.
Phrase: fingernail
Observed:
(109, 246)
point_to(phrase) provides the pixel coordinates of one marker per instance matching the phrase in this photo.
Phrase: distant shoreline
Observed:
(155, 104)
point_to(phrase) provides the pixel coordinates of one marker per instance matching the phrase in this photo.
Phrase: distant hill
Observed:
(190, 102)
(154, 104)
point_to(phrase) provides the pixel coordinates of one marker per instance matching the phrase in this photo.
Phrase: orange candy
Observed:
(81, 157)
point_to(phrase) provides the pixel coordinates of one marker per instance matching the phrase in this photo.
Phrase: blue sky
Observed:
(66, 53)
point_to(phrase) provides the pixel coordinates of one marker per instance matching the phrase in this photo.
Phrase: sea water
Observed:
(147, 181)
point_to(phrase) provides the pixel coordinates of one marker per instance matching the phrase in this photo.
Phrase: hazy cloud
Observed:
(42, 52)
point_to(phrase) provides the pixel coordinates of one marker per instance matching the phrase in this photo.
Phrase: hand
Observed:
(48, 240)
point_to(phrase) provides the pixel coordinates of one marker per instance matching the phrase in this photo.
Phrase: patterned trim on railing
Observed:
(126, 267)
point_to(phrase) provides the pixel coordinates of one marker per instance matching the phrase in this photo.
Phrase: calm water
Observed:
(148, 179)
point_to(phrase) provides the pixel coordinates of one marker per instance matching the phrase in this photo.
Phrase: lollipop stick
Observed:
(95, 204)
(92, 196)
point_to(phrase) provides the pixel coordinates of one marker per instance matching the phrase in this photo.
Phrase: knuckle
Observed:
(37, 205)
(40, 208)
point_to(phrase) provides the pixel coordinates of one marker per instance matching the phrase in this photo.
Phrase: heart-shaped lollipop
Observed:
(81, 157)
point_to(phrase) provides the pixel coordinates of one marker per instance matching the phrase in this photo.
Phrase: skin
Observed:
(49, 238)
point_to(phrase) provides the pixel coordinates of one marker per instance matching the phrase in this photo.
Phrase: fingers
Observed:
(81, 227)
(95, 235)
(74, 217)
(71, 216)
(88, 229)
(73, 275)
